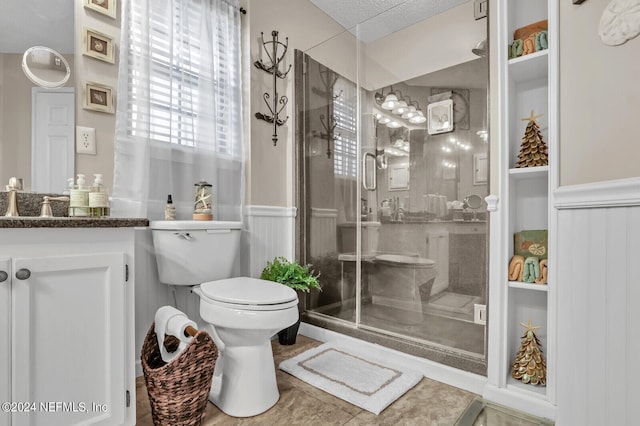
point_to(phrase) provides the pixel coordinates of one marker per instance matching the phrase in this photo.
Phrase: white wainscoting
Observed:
(323, 232)
(598, 299)
(267, 232)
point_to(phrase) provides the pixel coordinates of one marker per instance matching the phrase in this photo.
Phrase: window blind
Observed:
(181, 79)
(345, 153)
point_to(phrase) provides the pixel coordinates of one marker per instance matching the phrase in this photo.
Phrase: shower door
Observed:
(384, 213)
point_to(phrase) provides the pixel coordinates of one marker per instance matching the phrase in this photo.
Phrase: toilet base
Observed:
(246, 386)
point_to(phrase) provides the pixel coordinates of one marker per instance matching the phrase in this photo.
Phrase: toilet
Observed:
(242, 314)
(403, 282)
(397, 280)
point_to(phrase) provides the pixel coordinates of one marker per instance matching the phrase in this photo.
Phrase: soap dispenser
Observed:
(98, 199)
(79, 198)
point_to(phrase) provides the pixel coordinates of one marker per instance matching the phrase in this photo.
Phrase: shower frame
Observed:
(457, 358)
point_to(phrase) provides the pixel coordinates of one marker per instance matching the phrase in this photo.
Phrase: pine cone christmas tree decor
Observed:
(529, 365)
(533, 150)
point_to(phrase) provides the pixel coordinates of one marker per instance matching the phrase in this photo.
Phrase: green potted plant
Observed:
(301, 278)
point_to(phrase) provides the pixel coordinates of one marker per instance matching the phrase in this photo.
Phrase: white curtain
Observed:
(178, 108)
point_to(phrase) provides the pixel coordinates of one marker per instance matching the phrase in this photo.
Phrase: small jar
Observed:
(202, 201)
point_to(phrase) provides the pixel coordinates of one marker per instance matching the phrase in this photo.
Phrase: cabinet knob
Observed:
(23, 274)
(3, 276)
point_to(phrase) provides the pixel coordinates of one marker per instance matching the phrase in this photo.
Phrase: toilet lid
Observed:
(248, 291)
(400, 260)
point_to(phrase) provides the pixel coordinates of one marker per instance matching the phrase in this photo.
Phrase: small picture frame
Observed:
(98, 97)
(98, 45)
(440, 117)
(106, 7)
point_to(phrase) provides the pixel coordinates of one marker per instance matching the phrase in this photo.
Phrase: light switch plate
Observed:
(85, 140)
(480, 9)
(480, 314)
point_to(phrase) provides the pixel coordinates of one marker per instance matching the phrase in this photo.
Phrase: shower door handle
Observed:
(364, 172)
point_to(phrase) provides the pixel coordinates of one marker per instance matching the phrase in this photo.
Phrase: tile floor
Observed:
(428, 403)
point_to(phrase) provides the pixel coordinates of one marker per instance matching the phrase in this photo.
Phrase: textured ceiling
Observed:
(36, 22)
(370, 20)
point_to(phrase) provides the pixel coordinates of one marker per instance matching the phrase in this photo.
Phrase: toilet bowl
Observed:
(404, 283)
(397, 280)
(241, 313)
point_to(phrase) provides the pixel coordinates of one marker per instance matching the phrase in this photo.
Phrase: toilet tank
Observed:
(368, 237)
(190, 252)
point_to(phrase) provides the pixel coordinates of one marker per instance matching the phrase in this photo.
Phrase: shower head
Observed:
(480, 49)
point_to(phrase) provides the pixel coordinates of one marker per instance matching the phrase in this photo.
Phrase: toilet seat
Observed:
(249, 294)
(400, 260)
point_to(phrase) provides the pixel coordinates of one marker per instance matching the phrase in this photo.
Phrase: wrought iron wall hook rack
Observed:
(328, 121)
(278, 103)
(329, 124)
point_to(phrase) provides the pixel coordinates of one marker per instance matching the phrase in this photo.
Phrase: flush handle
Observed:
(23, 274)
(3, 276)
(184, 235)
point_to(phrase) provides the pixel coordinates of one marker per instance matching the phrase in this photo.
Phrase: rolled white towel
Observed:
(171, 321)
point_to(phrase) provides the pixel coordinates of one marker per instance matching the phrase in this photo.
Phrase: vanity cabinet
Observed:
(66, 326)
(525, 201)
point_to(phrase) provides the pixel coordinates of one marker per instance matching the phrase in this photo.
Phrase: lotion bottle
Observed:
(79, 198)
(98, 199)
(170, 209)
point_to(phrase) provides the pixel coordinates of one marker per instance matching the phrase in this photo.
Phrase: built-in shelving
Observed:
(529, 67)
(527, 83)
(529, 172)
(528, 286)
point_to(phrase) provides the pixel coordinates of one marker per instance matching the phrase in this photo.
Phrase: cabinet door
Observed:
(5, 338)
(69, 339)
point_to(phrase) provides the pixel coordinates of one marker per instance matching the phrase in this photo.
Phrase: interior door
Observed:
(69, 339)
(53, 142)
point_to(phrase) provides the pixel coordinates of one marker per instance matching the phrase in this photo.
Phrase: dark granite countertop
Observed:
(72, 222)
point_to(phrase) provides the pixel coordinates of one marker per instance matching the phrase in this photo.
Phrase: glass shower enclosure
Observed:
(392, 171)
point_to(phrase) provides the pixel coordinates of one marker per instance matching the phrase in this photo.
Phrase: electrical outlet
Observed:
(480, 314)
(85, 140)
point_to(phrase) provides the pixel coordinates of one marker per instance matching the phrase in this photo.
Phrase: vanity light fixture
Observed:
(395, 102)
(390, 101)
(410, 112)
(418, 118)
(400, 108)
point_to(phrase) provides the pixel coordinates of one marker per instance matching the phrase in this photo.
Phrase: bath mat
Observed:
(461, 303)
(362, 380)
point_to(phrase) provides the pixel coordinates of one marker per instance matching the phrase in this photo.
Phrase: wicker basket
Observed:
(178, 390)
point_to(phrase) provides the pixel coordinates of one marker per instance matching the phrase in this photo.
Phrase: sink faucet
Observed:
(12, 198)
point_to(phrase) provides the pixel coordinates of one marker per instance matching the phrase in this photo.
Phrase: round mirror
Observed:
(474, 202)
(45, 67)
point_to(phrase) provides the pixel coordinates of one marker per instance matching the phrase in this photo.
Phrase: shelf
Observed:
(529, 172)
(528, 286)
(529, 67)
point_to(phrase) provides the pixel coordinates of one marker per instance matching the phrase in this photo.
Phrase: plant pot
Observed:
(289, 334)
